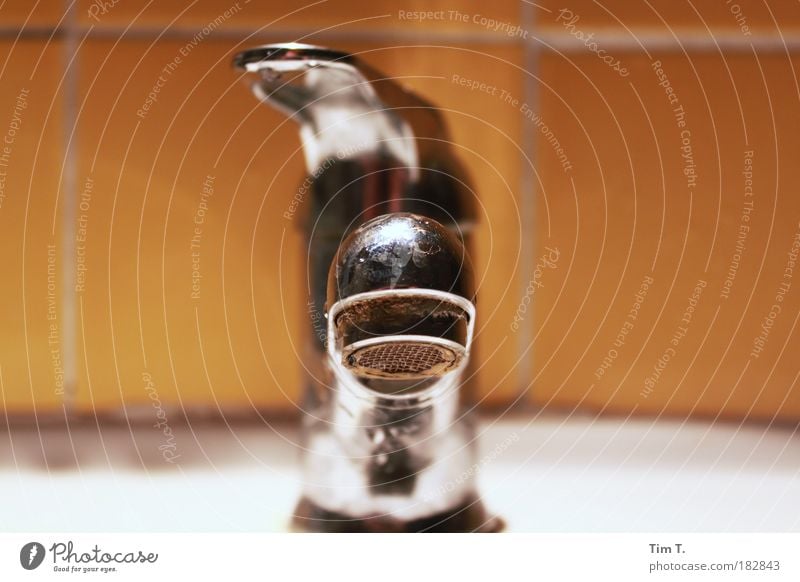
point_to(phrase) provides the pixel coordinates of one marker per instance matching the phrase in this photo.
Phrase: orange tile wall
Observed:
(583, 195)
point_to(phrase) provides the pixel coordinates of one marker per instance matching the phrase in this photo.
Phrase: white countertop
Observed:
(558, 475)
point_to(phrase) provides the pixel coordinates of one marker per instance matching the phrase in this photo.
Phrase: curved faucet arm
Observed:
(348, 111)
(340, 114)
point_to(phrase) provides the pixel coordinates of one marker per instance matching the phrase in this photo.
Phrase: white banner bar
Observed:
(399, 557)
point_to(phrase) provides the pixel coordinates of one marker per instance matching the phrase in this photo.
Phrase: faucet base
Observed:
(471, 516)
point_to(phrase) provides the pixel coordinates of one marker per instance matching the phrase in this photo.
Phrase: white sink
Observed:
(546, 475)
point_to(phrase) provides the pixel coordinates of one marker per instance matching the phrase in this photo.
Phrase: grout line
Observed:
(241, 32)
(68, 206)
(687, 39)
(34, 32)
(338, 35)
(531, 54)
(684, 40)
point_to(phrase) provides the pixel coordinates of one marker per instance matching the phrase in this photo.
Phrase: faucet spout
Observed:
(336, 105)
(373, 145)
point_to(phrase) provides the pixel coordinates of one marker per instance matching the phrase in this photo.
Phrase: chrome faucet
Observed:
(388, 440)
